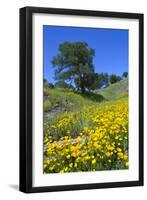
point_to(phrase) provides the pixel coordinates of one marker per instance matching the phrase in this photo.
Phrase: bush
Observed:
(47, 106)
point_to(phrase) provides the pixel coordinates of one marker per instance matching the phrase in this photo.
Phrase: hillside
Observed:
(67, 100)
(115, 91)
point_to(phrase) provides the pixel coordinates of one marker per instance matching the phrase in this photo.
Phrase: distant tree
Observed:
(45, 81)
(102, 80)
(47, 84)
(105, 78)
(125, 75)
(51, 85)
(114, 78)
(74, 62)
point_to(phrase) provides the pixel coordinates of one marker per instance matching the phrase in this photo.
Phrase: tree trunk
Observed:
(82, 85)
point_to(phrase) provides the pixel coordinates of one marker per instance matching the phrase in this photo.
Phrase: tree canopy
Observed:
(74, 67)
(125, 75)
(74, 62)
(114, 78)
(63, 84)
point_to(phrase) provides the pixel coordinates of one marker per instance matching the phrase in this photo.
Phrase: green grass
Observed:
(67, 100)
(115, 91)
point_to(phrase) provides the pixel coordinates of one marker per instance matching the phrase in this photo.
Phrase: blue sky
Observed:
(111, 47)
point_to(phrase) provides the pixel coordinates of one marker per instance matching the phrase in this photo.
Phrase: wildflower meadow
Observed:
(94, 137)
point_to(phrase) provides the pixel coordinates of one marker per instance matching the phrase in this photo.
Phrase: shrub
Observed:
(47, 106)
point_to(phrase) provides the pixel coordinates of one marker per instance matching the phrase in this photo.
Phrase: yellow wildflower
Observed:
(108, 154)
(125, 157)
(68, 156)
(93, 161)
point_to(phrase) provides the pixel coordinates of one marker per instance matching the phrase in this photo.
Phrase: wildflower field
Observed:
(85, 133)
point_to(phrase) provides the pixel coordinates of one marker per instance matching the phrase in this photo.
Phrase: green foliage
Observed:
(74, 62)
(47, 106)
(102, 79)
(62, 84)
(114, 78)
(89, 81)
(45, 91)
(47, 84)
(125, 75)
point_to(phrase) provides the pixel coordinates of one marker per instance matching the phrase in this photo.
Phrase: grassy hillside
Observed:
(115, 91)
(67, 100)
